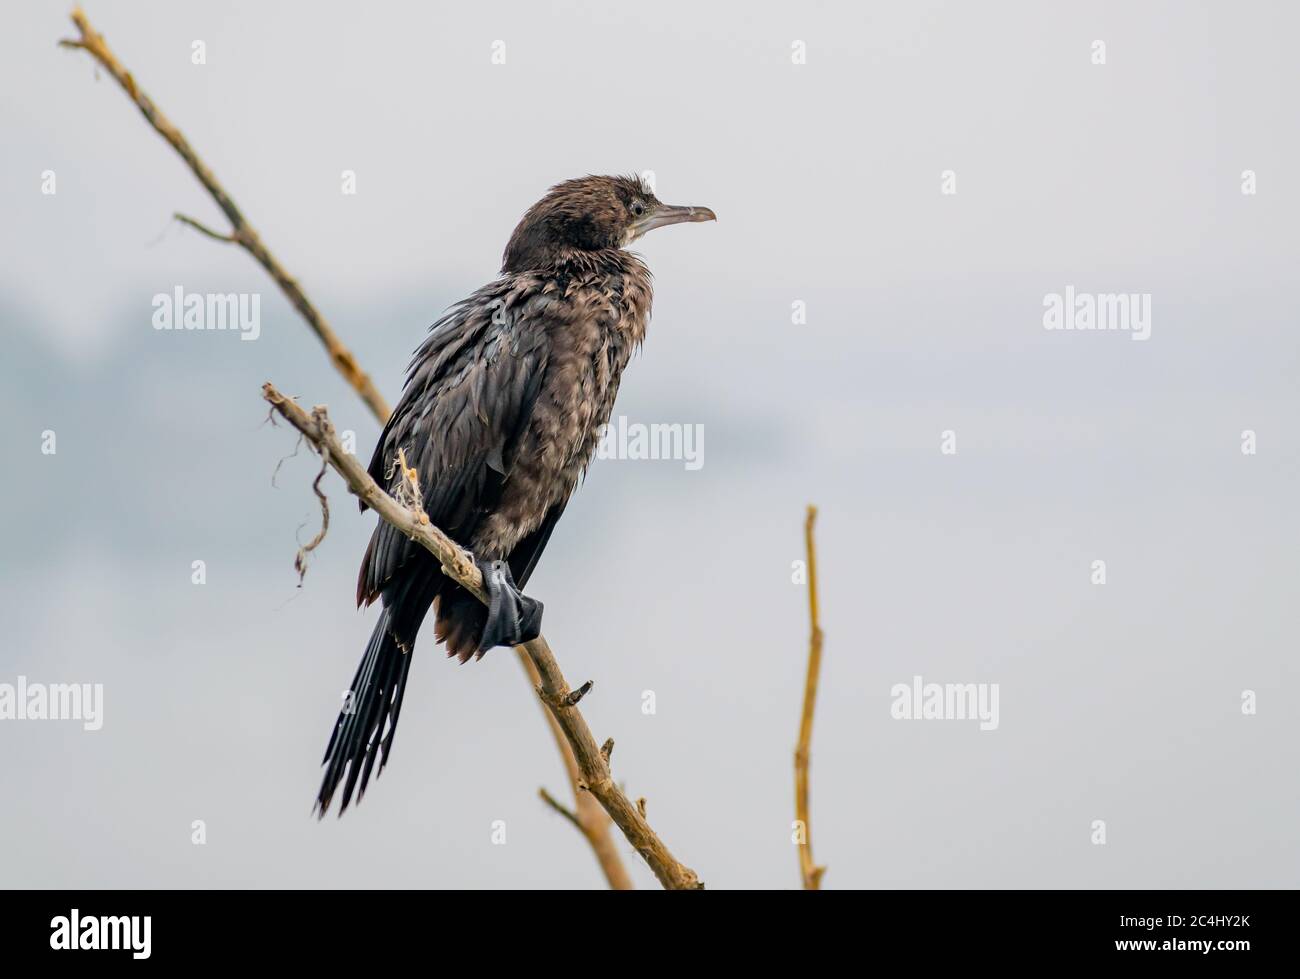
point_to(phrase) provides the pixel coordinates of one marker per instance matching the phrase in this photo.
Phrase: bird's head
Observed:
(590, 214)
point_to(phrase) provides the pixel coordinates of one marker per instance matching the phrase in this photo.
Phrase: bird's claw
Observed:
(513, 617)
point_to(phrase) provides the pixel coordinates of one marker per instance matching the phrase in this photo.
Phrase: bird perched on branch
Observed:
(502, 409)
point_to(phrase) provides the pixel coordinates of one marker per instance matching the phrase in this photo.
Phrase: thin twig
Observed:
(300, 562)
(573, 698)
(553, 689)
(812, 874)
(592, 819)
(200, 226)
(560, 807)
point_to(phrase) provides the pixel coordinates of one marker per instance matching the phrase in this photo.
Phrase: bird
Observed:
(503, 405)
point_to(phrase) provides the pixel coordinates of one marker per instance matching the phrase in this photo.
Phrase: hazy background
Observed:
(1119, 702)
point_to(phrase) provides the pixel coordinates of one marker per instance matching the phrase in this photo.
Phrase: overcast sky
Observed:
(1119, 702)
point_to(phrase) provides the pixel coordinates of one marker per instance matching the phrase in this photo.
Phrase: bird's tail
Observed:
(459, 621)
(374, 700)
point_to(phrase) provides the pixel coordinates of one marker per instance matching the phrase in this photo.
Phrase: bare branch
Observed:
(592, 820)
(553, 689)
(242, 233)
(812, 874)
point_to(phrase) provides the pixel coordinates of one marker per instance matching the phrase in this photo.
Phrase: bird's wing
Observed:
(469, 394)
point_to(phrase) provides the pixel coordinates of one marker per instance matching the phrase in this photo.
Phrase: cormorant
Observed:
(503, 406)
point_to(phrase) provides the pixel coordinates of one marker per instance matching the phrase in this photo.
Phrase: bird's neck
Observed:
(586, 263)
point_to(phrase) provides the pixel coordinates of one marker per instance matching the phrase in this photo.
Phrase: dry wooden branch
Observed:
(242, 233)
(812, 874)
(587, 815)
(554, 691)
(592, 820)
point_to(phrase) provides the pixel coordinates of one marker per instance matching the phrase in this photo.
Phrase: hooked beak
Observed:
(662, 216)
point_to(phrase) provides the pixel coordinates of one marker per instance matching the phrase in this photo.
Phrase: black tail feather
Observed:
(459, 623)
(359, 733)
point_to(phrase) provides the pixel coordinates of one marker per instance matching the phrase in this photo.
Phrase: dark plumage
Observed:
(501, 412)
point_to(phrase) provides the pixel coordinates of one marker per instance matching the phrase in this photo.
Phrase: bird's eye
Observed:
(637, 209)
